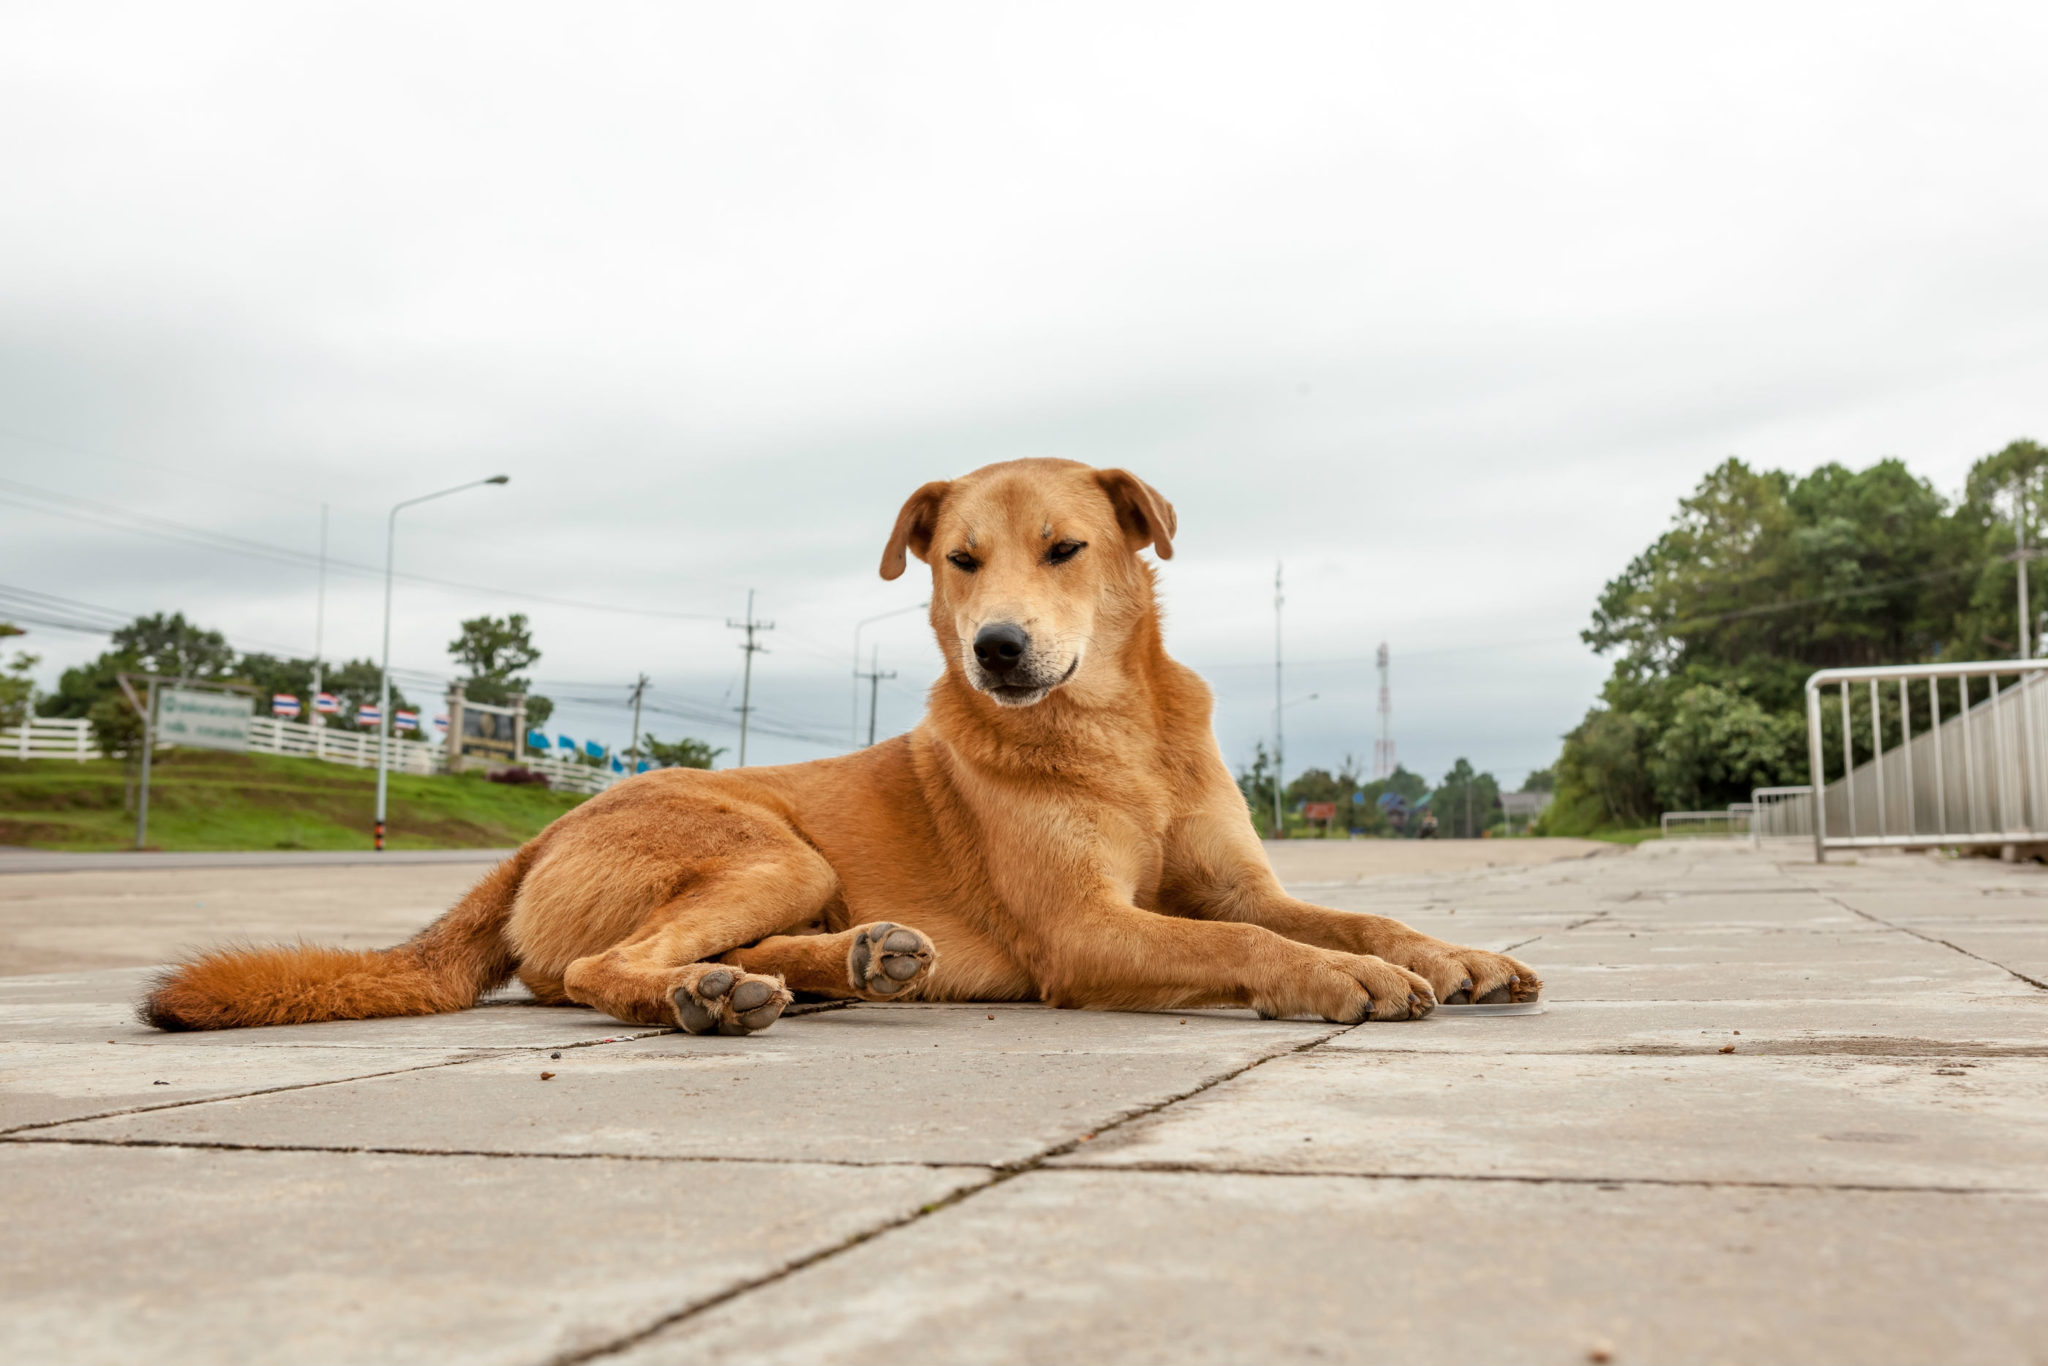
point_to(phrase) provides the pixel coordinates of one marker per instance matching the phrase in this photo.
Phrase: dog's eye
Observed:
(960, 559)
(1064, 551)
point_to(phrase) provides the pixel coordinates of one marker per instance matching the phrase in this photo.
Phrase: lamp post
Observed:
(384, 682)
(858, 627)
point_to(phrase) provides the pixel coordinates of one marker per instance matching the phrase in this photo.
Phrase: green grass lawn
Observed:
(200, 799)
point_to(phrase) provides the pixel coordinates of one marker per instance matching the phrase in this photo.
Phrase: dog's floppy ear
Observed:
(914, 527)
(1147, 518)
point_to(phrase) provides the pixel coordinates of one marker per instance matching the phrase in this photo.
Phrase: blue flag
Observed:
(535, 740)
(593, 749)
(642, 766)
(565, 742)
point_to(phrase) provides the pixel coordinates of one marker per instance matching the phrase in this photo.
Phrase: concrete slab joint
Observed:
(1770, 1111)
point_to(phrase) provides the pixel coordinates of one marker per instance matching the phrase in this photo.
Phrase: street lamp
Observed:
(384, 684)
(858, 627)
(1280, 825)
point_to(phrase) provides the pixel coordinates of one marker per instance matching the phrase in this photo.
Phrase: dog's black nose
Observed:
(1001, 647)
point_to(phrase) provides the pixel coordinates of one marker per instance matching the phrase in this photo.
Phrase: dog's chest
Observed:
(1133, 850)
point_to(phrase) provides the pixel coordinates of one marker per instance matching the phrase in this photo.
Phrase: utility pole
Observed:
(313, 713)
(750, 626)
(1383, 750)
(874, 676)
(1279, 743)
(2021, 558)
(638, 688)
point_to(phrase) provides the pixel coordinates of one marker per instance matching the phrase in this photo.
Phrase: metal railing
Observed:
(1952, 757)
(1780, 813)
(1732, 823)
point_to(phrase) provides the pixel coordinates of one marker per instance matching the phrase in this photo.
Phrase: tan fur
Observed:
(1088, 848)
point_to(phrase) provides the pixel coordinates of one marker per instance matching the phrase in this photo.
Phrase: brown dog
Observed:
(1060, 827)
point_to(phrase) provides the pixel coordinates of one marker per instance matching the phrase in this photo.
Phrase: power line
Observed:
(240, 485)
(39, 606)
(182, 533)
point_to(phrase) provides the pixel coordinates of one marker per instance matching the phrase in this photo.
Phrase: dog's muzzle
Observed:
(1005, 665)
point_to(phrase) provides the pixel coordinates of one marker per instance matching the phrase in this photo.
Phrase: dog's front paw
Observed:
(1350, 988)
(714, 998)
(1464, 976)
(888, 962)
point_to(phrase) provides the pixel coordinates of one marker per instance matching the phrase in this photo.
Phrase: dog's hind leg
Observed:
(664, 973)
(880, 961)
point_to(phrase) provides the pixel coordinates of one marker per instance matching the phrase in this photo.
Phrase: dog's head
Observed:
(1034, 566)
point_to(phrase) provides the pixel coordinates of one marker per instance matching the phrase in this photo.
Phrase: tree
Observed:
(17, 686)
(175, 648)
(1762, 578)
(1466, 802)
(1718, 741)
(494, 650)
(683, 753)
(271, 675)
(357, 684)
(1256, 783)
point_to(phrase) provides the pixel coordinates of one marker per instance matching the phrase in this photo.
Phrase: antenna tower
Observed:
(1383, 748)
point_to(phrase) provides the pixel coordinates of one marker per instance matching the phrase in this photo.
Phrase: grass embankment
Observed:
(203, 800)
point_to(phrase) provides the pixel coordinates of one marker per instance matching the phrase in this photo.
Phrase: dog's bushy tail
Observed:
(444, 967)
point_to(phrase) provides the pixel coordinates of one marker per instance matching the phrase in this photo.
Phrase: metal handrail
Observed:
(1909, 792)
(1770, 805)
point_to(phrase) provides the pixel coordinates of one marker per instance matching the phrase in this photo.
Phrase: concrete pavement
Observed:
(1771, 1112)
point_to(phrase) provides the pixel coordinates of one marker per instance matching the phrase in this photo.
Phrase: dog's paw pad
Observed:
(723, 1000)
(886, 961)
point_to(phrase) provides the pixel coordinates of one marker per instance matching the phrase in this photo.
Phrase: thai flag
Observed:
(441, 724)
(327, 704)
(284, 704)
(368, 715)
(405, 720)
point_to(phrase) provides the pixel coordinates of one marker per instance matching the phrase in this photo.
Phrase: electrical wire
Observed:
(16, 494)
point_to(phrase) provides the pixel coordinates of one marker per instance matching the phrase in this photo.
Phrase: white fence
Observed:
(47, 739)
(52, 738)
(1959, 755)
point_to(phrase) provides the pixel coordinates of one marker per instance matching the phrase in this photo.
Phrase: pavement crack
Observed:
(242, 1095)
(224, 1145)
(1001, 1175)
(2034, 982)
(1532, 1179)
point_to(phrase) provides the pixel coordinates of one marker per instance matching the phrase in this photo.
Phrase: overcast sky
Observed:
(1442, 305)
